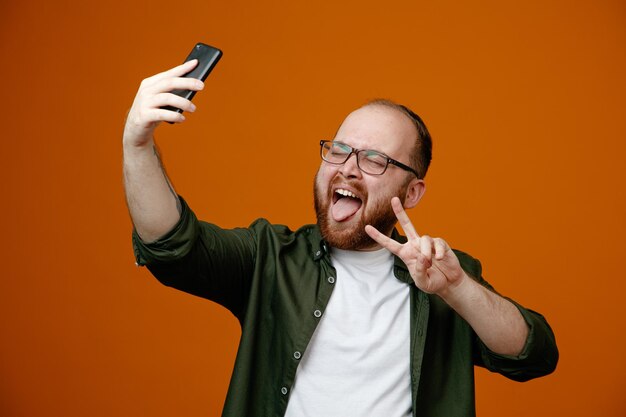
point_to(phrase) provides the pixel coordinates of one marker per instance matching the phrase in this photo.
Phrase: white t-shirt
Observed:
(357, 362)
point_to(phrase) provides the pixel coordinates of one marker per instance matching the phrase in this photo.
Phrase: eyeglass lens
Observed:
(369, 161)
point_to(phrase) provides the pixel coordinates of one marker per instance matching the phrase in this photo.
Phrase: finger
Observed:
(168, 99)
(163, 115)
(384, 241)
(426, 247)
(177, 71)
(403, 219)
(424, 263)
(179, 83)
(420, 272)
(441, 247)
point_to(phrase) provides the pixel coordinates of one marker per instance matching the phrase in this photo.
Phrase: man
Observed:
(346, 317)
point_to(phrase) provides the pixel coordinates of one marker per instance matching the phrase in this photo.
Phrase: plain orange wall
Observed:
(526, 104)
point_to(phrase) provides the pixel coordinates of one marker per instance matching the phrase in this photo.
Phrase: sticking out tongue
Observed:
(345, 207)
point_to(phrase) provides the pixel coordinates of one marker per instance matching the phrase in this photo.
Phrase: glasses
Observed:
(369, 161)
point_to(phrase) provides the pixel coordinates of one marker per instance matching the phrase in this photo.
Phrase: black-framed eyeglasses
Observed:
(369, 161)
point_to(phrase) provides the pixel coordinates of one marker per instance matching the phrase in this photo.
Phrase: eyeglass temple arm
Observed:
(404, 167)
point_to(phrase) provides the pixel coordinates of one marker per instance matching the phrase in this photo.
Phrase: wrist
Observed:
(132, 143)
(459, 289)
(138, 135)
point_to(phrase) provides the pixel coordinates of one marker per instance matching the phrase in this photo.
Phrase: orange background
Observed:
(526, 104)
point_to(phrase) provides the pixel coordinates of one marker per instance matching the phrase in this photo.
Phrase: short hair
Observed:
(423, 150)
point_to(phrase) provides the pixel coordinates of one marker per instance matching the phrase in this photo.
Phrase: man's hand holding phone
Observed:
(155, 93)
(164, 97)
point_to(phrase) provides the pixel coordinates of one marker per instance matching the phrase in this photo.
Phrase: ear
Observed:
(414, 193)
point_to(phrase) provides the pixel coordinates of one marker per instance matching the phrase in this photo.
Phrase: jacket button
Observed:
(297, 355)
(331, 280)
(317, 313)
(283, 390)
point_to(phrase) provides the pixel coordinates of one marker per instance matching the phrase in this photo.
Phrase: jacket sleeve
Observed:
(540, 353)
(202, 259)
(538, 357)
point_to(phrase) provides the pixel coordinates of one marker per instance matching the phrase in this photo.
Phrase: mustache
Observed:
(338, 182)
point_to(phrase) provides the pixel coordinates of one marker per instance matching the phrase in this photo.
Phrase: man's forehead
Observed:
(377, 127)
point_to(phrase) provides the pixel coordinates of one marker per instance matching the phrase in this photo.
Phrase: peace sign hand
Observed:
(432, 264)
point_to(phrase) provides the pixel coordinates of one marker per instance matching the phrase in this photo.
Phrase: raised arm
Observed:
(153, 204)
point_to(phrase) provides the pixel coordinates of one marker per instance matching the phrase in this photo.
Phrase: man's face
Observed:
(347, 199)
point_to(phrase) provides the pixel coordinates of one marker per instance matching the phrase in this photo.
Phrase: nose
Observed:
(351, 168)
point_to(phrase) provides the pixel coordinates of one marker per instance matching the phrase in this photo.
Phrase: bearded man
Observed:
(345, 317)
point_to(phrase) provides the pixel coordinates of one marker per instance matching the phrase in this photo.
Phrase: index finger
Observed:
(403, 219)
(384, 241)
(177, 71)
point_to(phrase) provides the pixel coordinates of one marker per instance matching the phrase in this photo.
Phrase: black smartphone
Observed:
(207, 57)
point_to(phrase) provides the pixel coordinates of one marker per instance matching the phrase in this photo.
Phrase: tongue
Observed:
(344, 208)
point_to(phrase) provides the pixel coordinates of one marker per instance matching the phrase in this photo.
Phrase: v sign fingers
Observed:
(403, 219)
(432, 264)
(384, 241)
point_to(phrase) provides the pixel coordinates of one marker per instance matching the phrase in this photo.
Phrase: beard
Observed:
(351, 235)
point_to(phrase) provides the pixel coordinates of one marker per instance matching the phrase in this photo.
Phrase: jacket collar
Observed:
(320, 249)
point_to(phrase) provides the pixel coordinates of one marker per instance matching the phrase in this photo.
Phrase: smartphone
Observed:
(207, 57)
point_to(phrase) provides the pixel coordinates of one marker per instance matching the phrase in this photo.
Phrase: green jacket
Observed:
(278, 282)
